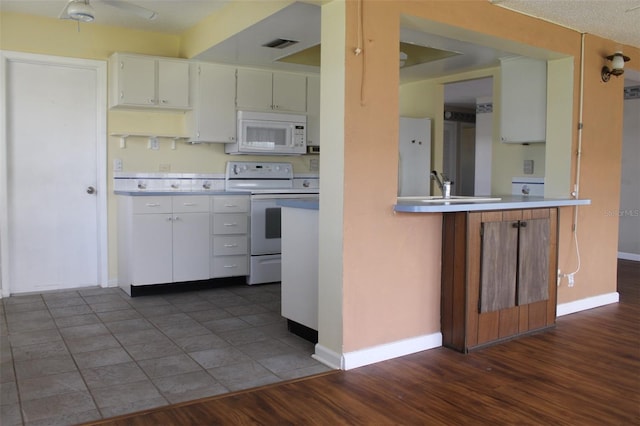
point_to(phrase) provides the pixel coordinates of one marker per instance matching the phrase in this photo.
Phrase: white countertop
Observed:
(506, 202)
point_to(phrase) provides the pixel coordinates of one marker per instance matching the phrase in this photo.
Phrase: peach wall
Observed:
(392, 261)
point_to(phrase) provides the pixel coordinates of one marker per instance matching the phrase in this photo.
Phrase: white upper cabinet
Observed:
(313, 110)
(138, 81)
(523, 100)
(213, 92)
(271, 91)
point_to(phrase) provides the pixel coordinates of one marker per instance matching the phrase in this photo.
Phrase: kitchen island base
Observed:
(498, 275)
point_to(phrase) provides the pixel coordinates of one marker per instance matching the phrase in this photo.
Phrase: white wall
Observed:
(629, 228)
(484, 139)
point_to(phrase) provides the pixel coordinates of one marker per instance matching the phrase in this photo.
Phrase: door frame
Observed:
(101, 157)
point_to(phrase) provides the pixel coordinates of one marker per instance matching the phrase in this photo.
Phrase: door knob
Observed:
(91, 190)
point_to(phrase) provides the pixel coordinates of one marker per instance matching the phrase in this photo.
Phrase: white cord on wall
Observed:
(576, 189)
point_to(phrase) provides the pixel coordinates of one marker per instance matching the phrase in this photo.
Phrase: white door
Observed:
(54, 236)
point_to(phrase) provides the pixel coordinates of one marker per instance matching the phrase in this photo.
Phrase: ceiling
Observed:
(613, 19)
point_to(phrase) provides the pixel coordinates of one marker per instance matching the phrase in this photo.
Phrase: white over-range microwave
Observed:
(270, 134)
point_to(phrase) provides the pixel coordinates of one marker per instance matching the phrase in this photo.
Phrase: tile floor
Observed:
(75, 356)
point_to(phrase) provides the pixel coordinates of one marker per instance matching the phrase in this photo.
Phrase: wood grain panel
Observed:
(488, 327)
(509, 322)
(446, 289)
(498, 269)
(474, 222)
(460, 281)
(537, 315)
(553, 266)
(533, 261)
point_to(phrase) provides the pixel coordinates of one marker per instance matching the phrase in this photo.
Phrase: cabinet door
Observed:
(191, 248)
(498, 266)
(313, 110)
(254, 89)
(173, 84)
(533, 268)
(523, 100)
(289, 92)
(137, 82)
(214, 109)
(151, 249)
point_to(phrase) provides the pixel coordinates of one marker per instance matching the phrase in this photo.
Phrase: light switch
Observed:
(117, 165)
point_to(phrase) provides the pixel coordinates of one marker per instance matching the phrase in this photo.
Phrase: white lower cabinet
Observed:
(162, 239)
(229, 239)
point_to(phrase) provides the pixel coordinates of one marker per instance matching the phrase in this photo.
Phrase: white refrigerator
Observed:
(414, 157)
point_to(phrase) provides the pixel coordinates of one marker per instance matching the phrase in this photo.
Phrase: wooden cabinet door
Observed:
(173, 84)
(313, 110)
(152, 249)
(289, 92)
(254, 89)
(137, 82)
(533, 261)
(498, 265)
(191, 246)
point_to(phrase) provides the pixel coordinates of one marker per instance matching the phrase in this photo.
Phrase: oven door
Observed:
(265, 225)
(266, 222)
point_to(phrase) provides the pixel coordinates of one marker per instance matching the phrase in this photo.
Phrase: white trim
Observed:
(629, 256)
(328, 357)
(374, 354)
(101, 157)
(588, 303)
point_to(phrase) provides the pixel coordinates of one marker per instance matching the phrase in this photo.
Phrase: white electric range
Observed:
(267, 182)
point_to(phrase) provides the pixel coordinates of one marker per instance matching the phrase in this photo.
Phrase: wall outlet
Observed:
(154, 144)
(528, 167)
(314, 165)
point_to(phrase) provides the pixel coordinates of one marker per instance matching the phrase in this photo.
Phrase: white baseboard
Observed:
(112, 282)
(629, 256)
(328, 357)
(588, 303)
(378, 353)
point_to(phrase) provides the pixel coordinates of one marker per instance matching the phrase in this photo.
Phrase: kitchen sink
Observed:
(452, 199)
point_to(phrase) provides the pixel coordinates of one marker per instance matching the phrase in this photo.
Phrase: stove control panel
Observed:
(258, 170)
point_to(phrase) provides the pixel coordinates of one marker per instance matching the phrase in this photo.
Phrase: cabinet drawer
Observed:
(159, 204)
(225, 246)
(231, 223)
(229, 266)
(190, 204)
(230, 204)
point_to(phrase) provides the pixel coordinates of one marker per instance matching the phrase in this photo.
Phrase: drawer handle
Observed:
(231, 205)
(230, 224)
(152, 204)
(188, 204)
(231, 245)
(230, 266)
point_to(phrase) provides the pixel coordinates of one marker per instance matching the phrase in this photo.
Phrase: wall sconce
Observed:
(617, 66)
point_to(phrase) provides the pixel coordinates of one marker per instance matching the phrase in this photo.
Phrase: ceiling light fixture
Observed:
(80, 11)
(617, 66)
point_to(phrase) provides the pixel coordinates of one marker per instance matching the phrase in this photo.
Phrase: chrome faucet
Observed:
(444, 184)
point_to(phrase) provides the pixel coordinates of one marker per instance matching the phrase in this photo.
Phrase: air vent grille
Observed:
(632, 92)
(280, 43)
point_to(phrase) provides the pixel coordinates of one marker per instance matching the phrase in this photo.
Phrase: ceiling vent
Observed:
(280, 43)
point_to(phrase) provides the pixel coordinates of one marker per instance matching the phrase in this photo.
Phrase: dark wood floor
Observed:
(585, 371)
